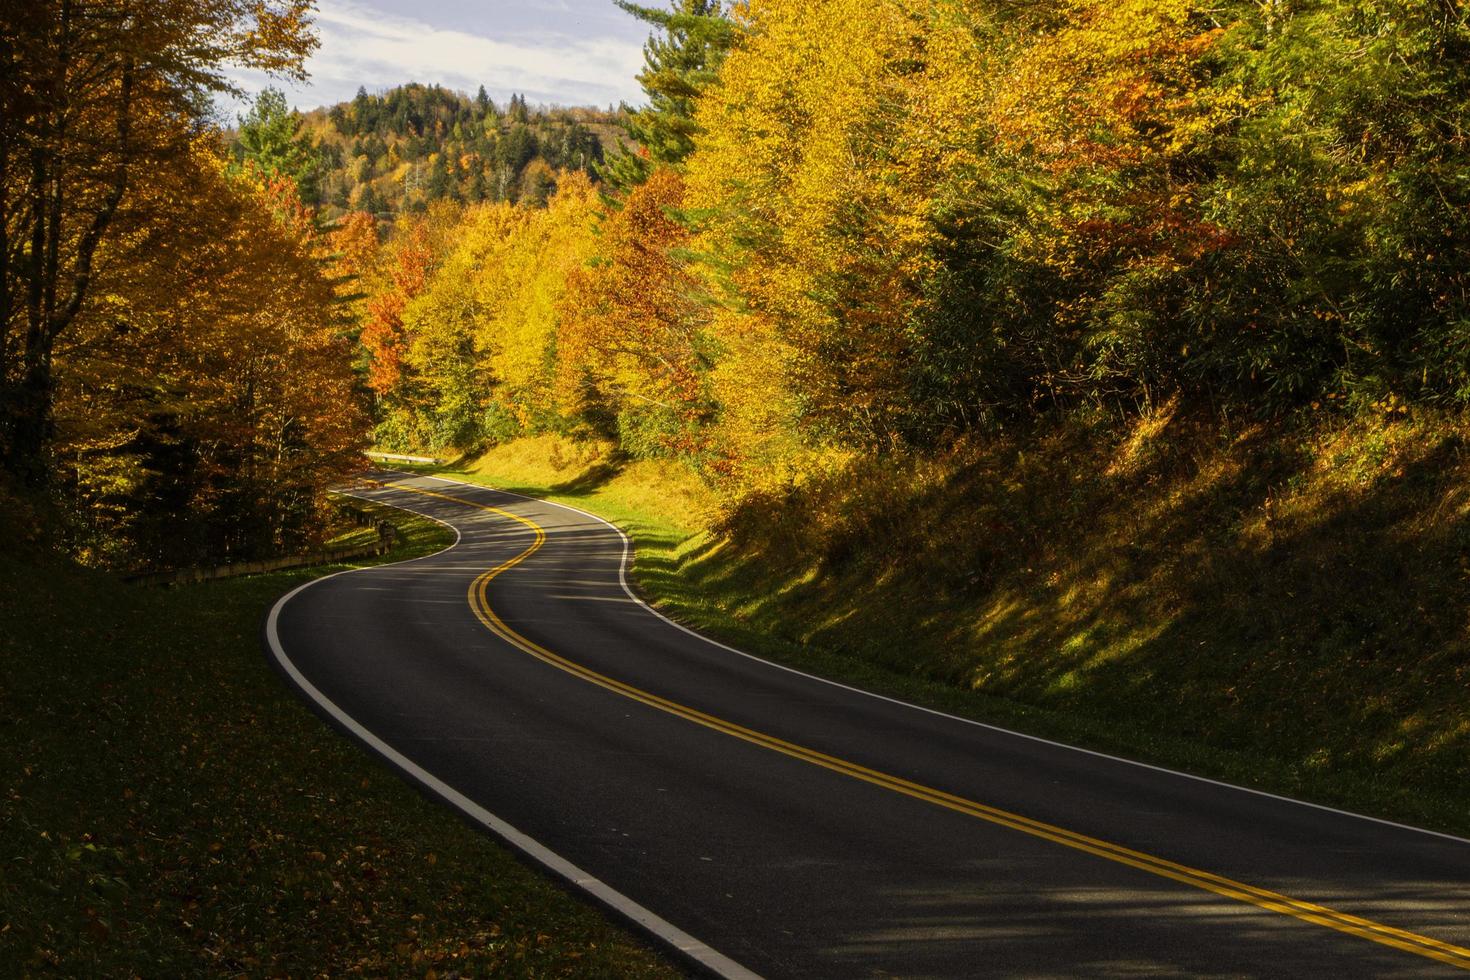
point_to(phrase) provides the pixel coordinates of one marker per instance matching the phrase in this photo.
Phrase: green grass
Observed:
(1281, 608)
(171, 808)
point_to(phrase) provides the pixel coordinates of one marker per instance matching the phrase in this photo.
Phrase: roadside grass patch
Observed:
(171, 808)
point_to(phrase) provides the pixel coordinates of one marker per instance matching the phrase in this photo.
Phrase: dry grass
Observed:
(666, 493)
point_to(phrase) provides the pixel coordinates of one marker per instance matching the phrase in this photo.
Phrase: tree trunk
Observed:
(31, 423)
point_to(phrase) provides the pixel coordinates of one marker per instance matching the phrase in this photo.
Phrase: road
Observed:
(775, 824)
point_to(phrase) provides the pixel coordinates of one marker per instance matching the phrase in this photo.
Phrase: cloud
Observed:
(365, 46)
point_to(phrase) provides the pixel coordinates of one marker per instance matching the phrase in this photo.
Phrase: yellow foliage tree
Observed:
(518, 293)
(806, 221)
(207, 400)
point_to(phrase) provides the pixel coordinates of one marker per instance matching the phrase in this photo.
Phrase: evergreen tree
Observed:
(371, 201)
(270, 135)
(477, 191)
(680, 61)
(364, 111)
(438, 184)
(517, 147)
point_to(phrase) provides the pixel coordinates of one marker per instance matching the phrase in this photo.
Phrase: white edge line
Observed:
(623, 580)
(665, 931)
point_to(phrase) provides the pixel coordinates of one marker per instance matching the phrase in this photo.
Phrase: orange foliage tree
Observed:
(632, 340)
(409, 263)
(100, 98)
(205, 409)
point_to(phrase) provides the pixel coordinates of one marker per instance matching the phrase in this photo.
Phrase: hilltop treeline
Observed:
(896, 223)
(403, 149)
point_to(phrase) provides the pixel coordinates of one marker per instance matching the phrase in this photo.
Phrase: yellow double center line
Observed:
(1239, 891)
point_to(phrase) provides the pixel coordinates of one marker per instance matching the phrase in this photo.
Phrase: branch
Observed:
(88, 246)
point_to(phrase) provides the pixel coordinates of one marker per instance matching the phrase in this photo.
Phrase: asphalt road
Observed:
(772, 822)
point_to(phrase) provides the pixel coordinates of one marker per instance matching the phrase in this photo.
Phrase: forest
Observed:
(403, 149)
(1094, 369)
(175, 366)
(1105, 362)
(853, 230)
(835, 232)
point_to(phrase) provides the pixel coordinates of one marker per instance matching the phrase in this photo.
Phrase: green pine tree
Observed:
(477, 190)
(680, 60)
(270, 135)
(371, 201)
(438, 184)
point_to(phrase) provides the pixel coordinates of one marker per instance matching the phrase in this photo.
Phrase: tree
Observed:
(810, 230)
(96, 96)
(203, 413)
(409, 265)
(453, 384)
(519, 292)
(538, 181)
(364, 111)
(518, 112)
(270, 135)
(438, 184)
(355, 246)
(477, 191)
(633, 328)
(678, 66)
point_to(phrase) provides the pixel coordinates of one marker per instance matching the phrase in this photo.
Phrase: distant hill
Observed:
(419, 143)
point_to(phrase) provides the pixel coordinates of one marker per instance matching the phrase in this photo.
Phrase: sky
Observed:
(561, 52)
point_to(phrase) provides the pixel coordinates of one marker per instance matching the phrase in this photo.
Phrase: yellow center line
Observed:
(1306, 911)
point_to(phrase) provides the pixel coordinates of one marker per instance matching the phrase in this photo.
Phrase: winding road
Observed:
(766, 822)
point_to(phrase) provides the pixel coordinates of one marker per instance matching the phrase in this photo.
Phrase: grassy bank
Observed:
(1280, 606)
(172, 809)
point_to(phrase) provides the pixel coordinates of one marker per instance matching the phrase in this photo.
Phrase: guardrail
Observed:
(387, 535)
(399, 458)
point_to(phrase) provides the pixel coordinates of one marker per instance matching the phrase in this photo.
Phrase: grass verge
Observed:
(1281, 609)
(172, 809)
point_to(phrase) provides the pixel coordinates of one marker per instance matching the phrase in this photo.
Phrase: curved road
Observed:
(772, 823)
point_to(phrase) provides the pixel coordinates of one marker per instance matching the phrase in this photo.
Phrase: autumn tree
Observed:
(96, 96)
(518, 297)
(632, 344)
(1061, 242)
(807, 227)
(205, 414)
(355, 245)
(1346, 194)
(409, 262)
(463, 329)
(853, 227)
(454, 384)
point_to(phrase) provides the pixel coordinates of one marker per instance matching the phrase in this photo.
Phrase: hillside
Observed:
(415, 144)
